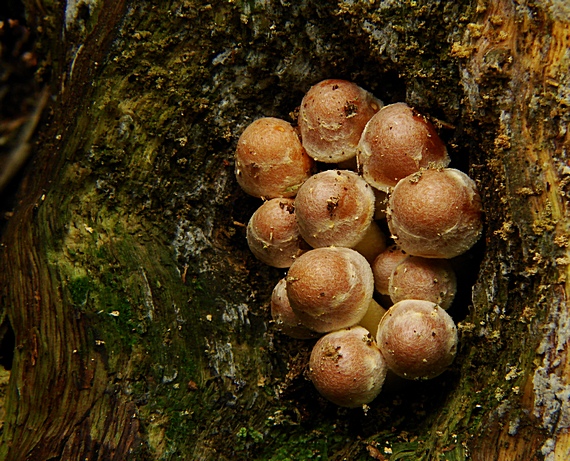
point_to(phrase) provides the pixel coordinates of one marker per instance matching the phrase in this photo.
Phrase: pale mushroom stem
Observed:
(372, 318)
(372, 243)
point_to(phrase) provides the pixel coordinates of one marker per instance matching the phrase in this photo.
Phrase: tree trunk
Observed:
(140, 317)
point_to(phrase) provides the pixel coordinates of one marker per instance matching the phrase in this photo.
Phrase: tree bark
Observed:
(140, 317)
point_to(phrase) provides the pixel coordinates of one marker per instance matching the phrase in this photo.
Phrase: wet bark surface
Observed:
(141, 319)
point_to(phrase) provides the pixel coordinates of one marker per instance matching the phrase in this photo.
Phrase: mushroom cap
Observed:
(330, 288)
(417, 338)
(273, 235)
(420, 278)
(397, 142)
(283, 315)
(334, 207)
(347, 368)
(383, 266)
(435, 213)
(270, 160)
(332, 116)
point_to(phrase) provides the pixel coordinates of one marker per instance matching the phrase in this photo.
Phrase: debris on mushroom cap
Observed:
(330, 288)
(273, 235)
(334, 207)
(417, 338)
(397, 142)
(420, 278)
(283, 315)
(332, 116)
(383, 266)
(435, 213)
(347, 368)
(270, 160)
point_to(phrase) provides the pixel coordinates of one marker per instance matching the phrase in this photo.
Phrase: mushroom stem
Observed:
(372, 243)
(372, 318)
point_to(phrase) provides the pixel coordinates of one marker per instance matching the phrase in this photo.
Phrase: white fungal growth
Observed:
(548, 449)
(552, 399)
(222, 359)
(236, 315)
(190, 240)
(551, 389)
(514, 426)
(147, 295)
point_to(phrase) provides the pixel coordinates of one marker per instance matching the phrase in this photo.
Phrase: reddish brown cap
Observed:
(284, 317)
(418, 339)
(383, 266)
(330, 288)
(334, 207)
(420, 278)
(332, 116)
(270, 160)
(273, 235)
(347, 368)
(397, 142)
(435, 213)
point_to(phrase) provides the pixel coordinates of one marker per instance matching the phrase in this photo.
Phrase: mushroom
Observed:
(283, 315)
(273, 235)
(270, 160)
(332, 116)
(371, 243)
(383, 265)
(420, 278)
(417, 338)
(397, 142)
(347, 368)
(336, 207)
(330, 288)
(372, 318)
(435, 213)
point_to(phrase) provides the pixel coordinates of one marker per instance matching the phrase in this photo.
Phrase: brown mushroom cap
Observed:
(383, 266)
(283, 315)
(435, 213)
(418, 339)
(397, 142)
(330, 288)
(334, 207)
(332, 116)
(270, 160)
(273, 235)
(420, 278)
(347, 368)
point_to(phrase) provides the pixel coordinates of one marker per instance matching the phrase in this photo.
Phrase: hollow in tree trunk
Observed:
(140, 318)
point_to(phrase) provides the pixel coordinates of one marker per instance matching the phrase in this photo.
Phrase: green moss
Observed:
(79, 288)
(289, 443)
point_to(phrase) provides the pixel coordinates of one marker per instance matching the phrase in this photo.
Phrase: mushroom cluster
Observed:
(332, 186)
